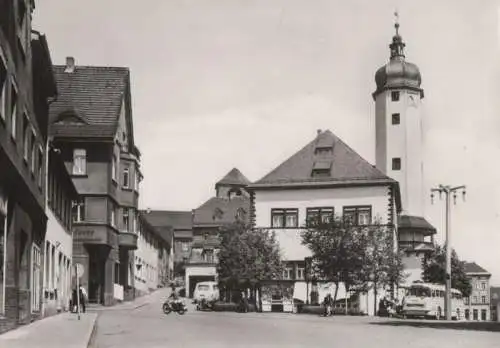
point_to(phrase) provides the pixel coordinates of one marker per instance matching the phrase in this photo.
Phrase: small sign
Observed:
(79, 270)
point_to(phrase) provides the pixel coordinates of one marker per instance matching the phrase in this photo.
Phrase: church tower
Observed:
(399, 148)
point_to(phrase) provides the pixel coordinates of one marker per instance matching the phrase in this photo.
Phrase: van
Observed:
(206, 290)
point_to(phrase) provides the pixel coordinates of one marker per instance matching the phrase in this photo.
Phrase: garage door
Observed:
(193, 280)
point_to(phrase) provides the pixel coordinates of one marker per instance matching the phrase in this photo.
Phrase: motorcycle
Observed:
(178, 307)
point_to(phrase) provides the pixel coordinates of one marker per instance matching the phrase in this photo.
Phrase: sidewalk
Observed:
(156, 297)
(61, 330)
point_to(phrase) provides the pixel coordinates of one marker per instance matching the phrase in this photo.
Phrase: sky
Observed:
(236, 83)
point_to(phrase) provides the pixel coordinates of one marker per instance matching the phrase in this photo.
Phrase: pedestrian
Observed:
(83, 298)
(74, 301)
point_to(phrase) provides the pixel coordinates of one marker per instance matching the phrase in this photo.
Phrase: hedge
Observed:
(318, 309)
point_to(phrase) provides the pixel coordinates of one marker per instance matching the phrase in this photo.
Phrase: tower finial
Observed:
(396, 21)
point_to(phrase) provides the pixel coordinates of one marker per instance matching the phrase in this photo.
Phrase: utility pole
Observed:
(448, 191)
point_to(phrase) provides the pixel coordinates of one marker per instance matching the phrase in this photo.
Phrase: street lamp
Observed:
(448, 191)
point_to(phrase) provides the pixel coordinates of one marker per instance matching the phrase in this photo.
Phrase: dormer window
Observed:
(321, 169)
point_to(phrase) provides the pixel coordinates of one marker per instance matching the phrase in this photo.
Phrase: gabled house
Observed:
(230, 204)
(477, 305)
(91, 125)
(26, 88)
(324, 178)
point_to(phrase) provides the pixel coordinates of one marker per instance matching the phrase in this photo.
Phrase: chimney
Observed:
(319, 131)
(70, 65)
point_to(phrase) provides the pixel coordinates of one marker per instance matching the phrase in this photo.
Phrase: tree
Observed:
(247, 257)
(383, 266)
(337, 250)
(434, 270)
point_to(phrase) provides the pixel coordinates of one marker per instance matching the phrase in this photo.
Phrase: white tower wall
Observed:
(404, 141)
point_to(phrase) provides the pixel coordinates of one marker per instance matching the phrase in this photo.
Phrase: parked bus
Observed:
(427, 300)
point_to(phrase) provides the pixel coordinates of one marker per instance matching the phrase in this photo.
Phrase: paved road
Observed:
(148, 327)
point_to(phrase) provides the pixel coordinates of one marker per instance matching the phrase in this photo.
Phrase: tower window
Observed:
(395, 96)
(396, 163)
(396, 119)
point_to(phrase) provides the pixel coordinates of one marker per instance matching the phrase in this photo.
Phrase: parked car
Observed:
(208, 291)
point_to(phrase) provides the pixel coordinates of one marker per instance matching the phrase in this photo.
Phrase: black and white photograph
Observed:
(249, 173)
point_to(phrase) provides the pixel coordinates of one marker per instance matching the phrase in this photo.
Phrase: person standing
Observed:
(83, 298)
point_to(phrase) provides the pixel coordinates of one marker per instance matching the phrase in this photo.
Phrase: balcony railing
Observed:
(411, 245)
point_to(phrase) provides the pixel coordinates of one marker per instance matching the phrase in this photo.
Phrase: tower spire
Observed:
(397, 46)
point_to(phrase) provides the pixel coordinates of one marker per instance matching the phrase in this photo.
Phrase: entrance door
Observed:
(96, 277)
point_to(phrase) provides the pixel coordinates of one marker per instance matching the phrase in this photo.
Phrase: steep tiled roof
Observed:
(234, 177)
(92, 96)
(473, 268)
(347, 166)
(178, 220)
(415, 222)
(219, 211)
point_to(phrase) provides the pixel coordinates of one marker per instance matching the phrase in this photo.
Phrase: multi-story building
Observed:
(26, 88)
(477, 305)
(326, 178)
(153, 257)
(61, 194)
(399, 150)
(495, 303)
(178, 225)
(91, 124)
(230, 204)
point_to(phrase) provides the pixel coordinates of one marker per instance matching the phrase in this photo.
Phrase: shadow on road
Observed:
(471, 326)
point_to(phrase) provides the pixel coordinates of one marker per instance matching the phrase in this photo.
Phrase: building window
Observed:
(396, 119)
(26, 137)
(33, 152)
(475, 314)
(78, 211)
(475, 299)
(22, 35)
(288, 273)
(483, 315)
(113, 168)
(466, 300)
(3, 85)
(358, 215)
(184, 246)
(126, 219)
(284, 218)
(40, 167)
(396, 163)
(137, 180)
(300, 273)
(126, 177)
(36, 258)
(483, 299)
(113, 217)
(117, 273)
(13, 112)
(3, 237)
(79, 162)
(315, 215)
(483, 286)
(467, 314)
(395, 96)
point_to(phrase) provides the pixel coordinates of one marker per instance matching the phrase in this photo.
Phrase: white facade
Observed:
(289, 239)
(403, 140)
(57, 273)
(146, 262)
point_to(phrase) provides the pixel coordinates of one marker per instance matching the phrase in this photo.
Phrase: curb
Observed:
(92, 335)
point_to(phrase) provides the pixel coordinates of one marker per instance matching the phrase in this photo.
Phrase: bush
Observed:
(231, 307)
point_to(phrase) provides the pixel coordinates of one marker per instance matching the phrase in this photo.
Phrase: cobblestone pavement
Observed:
(148, 327)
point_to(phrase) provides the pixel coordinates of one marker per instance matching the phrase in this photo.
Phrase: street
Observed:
(147, 327)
